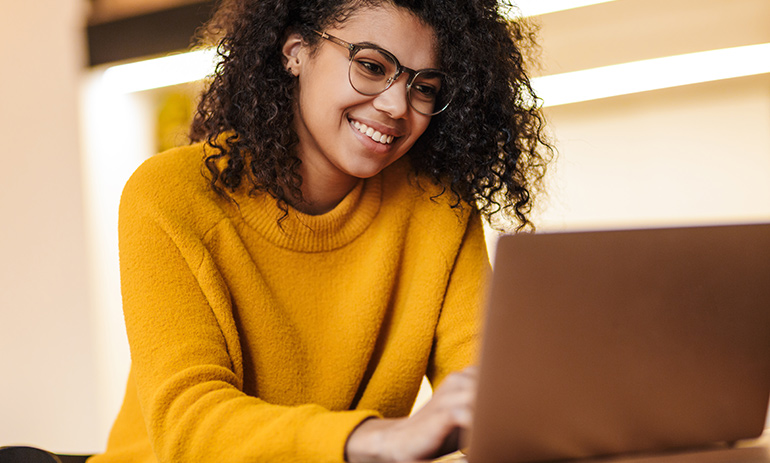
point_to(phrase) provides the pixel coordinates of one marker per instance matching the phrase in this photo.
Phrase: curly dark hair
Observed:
(488, 148)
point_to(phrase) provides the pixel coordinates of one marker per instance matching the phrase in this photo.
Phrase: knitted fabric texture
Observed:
(259, 339)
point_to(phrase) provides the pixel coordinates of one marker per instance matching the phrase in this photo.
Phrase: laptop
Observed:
(610, 342)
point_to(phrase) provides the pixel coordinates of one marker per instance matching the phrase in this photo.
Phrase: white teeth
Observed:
(373, 134)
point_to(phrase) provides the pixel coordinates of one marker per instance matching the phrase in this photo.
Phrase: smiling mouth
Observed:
(373, 134)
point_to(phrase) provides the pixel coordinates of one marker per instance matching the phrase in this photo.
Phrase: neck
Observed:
(321, 194)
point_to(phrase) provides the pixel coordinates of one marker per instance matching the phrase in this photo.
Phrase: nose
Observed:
(394, 100)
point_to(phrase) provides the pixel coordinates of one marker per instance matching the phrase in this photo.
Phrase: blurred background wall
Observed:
(47, 364)
(692, 154)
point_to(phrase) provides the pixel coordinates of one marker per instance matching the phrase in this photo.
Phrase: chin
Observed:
(366, 169)
(366, 173)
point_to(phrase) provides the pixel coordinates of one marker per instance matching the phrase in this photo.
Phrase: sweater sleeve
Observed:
(457, 332)
(187, 366)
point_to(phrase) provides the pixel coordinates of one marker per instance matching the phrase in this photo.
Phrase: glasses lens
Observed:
(429, 92)
(371, 71)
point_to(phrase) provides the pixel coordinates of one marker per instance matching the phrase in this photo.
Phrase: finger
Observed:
(449, 410)
(459, 382)
(463, 416)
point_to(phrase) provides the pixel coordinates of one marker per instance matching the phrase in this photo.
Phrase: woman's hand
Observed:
(431, 432)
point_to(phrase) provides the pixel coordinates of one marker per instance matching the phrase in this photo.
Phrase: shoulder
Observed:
(171, 183)
(401, 176)
(430, 208)
(173, 168)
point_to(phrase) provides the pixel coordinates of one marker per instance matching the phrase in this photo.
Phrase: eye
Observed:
(425, 91)
(370, 67)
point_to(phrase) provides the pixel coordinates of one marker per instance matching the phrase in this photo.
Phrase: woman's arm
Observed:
(429, 433)
(434, 429)
(187, 361)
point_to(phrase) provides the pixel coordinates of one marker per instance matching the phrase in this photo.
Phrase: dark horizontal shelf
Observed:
(149, 34)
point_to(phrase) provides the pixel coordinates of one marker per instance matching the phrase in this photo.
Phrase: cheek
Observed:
(325, 81)
(327, 99)
(421, 125)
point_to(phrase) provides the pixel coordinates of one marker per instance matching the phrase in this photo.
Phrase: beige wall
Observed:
(47, 392)
(691, 154)
(631, 30)
(696, 154)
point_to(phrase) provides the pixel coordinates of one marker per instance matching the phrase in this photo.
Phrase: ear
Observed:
(291, 53)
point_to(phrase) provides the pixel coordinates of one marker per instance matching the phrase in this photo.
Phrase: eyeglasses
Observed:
(373, 70)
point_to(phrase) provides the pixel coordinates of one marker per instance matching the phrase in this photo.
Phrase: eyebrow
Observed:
(381, 48)
(373, 45)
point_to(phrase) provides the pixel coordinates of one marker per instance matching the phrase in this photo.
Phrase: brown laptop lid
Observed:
(619, 341)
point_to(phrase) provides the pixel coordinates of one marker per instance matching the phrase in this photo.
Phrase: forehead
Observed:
(395, 29)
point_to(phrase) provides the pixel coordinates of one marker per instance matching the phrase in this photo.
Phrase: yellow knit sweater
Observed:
(258, 340)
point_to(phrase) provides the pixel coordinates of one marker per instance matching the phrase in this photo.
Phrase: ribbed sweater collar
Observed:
(314, 233)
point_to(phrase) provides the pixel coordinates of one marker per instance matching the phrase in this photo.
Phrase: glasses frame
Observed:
(354, 48)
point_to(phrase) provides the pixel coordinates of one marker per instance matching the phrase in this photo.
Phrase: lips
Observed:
(373, 134)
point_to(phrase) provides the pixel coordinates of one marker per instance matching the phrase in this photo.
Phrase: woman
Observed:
(285, 305)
